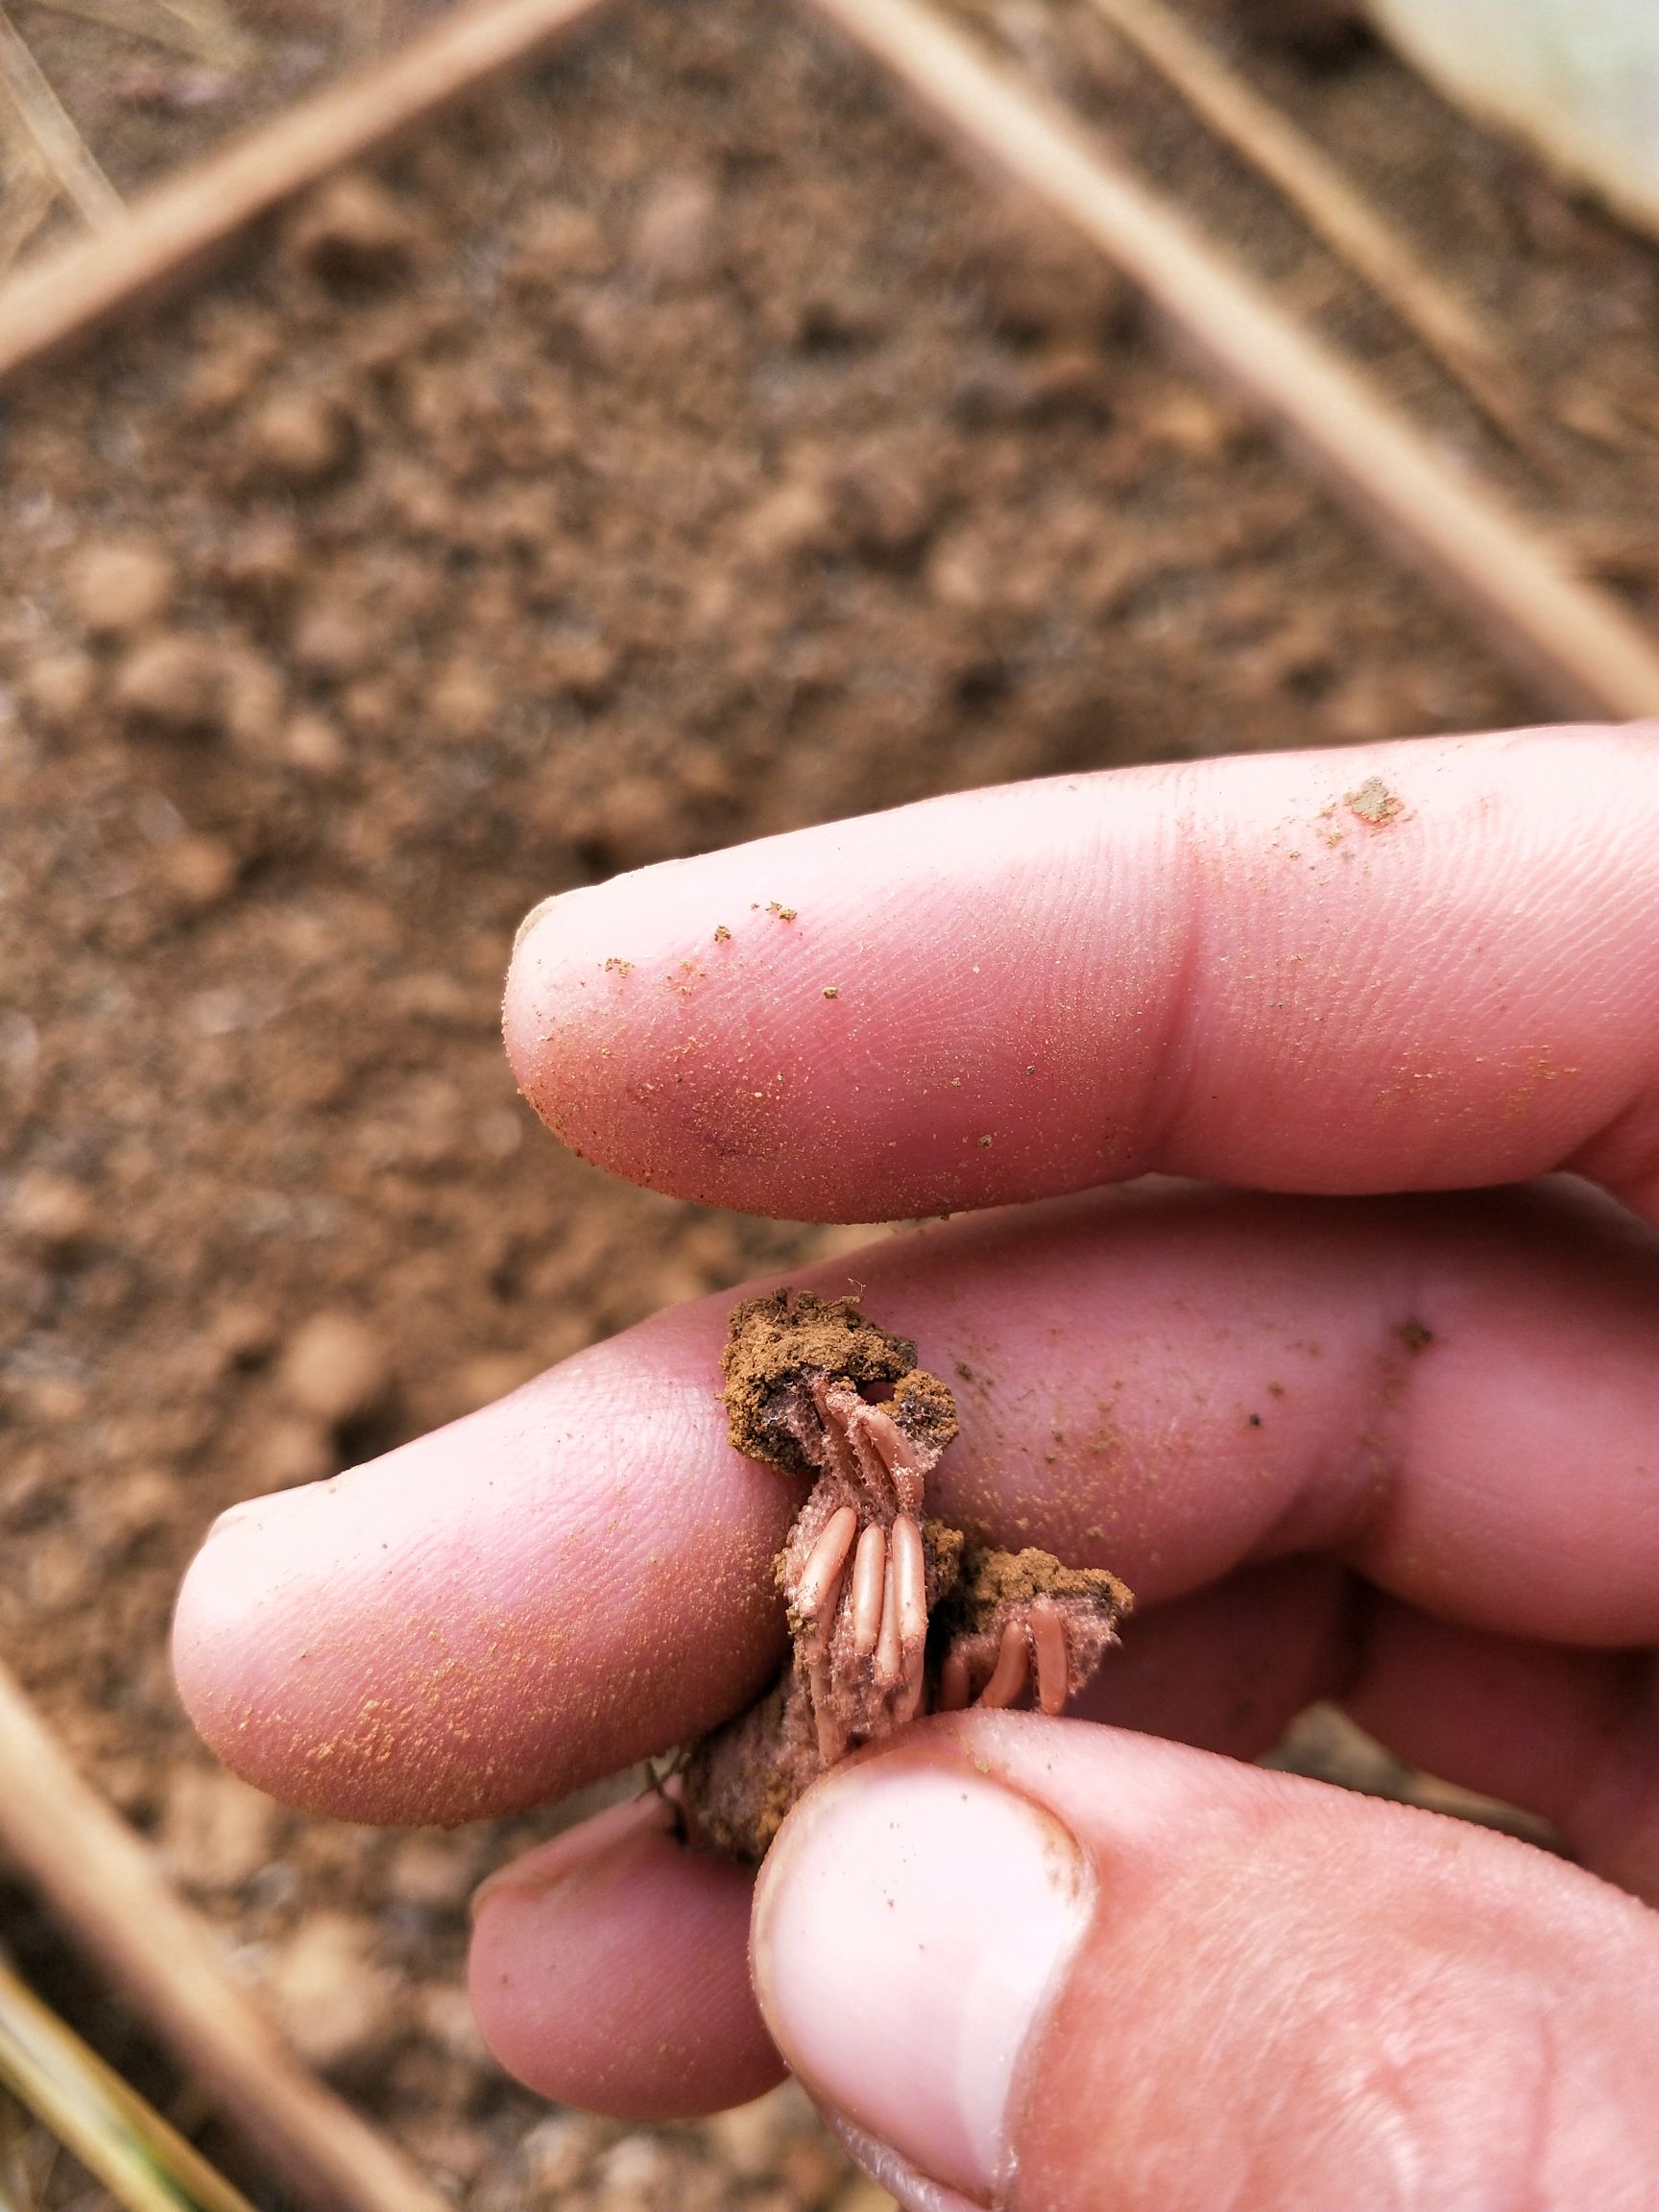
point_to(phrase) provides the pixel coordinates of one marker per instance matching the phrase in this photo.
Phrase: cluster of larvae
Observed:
(891, 1614)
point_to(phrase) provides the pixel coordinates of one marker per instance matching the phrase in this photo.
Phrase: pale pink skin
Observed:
(1222, 1395)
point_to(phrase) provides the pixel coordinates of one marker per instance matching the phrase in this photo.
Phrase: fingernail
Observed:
(533, 917)
(912, 1927)
(258, 1512)
(595, 1841)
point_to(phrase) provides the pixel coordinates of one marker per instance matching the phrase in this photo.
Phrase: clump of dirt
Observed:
(891, 1615)
(775, 1341)
(1375, 803)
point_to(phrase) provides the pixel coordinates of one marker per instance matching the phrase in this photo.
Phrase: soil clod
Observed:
(891, 1614)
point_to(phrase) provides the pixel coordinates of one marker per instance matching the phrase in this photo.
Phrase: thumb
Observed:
(1052, 1966)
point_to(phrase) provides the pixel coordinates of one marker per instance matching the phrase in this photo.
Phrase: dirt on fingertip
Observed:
(774, 1340)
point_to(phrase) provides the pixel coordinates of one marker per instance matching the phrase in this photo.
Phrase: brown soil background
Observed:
(698, 453)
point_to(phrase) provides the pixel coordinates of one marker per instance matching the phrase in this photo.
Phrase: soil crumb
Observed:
(1375, 803)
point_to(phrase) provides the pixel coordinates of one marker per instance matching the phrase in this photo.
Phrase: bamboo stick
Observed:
(105, 1885)
(1329, 202)
(1575, 641)
(61, 147)
(168, 229)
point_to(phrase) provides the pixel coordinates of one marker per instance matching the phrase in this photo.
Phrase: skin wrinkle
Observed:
(1288, 1897)
(1615, 1806)
(1389, 1428)
(1542, 2106)
(1353, 1524)
(1174, 1068)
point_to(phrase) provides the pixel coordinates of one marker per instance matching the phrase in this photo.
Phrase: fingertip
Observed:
(609, 1970)
(452, 1631)
(222, 1664)
(532, 973)
(913, 1920)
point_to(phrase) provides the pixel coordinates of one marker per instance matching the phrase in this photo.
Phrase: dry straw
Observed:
(167, 231)
(143, 2163)
(60, 146)
(107, 1886)
(1575, 642)
(1329, 202)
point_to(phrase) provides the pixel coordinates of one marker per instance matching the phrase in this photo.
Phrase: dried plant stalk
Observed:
(891, 1614)
(144, 2163)
(108, 1890)
(63, 148)
(1329, 202)
(1575, 642)
(28, 194)
(210, 23)
(198, 35)
(173, 227)
(16, 2193)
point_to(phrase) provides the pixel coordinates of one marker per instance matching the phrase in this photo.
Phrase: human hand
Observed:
(1343, 1432)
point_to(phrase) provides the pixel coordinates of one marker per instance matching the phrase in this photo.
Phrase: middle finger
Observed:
(1453, 1395)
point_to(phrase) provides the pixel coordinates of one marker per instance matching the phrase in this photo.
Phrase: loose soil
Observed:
(674, 448)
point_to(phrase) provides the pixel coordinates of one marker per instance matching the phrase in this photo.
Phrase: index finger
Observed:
(1418, 966)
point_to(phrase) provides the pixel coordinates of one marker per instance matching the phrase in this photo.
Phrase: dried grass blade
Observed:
(15, 2194)
(147, 20)
(141, 2160)
(1329, 202)
(63, 148)
(218, 37)
(170, 229)
(108, 1890)
(28, 194)
(1575, 642)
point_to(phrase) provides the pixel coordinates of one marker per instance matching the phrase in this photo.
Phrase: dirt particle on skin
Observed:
(832, 991)
(784, 913)
(618, 967)
(1374, 804)
(990, 1581)
(984, 1141)
(722, 935)
(1414, 1336)
(775, 1340)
